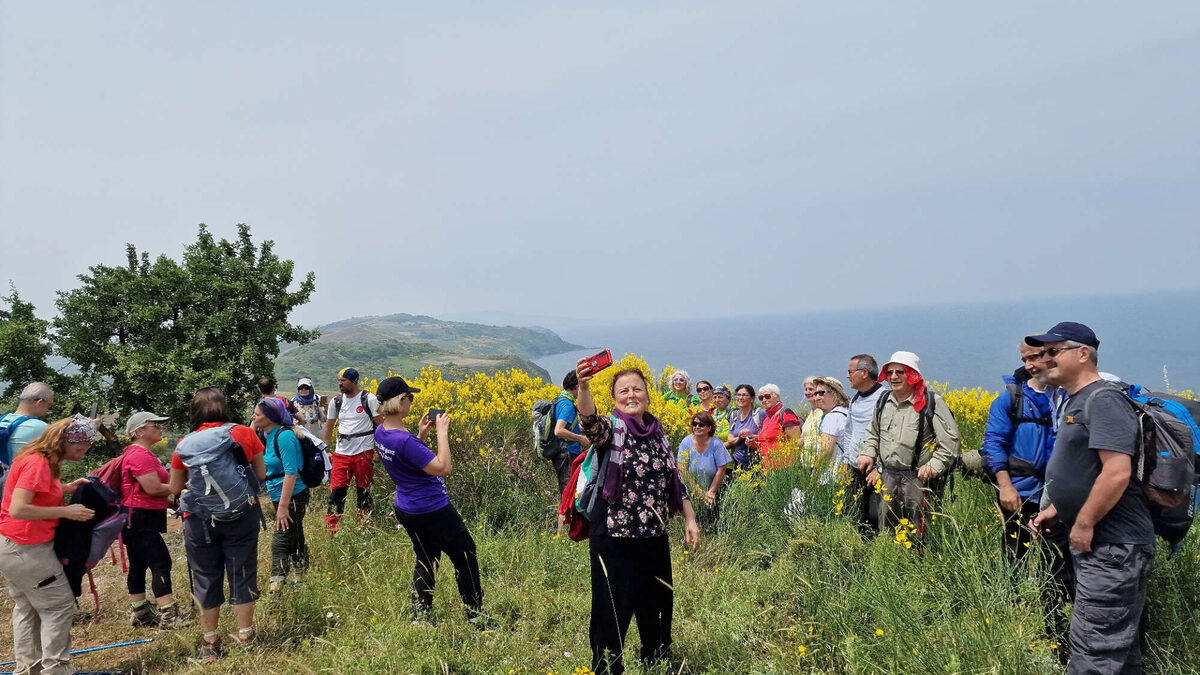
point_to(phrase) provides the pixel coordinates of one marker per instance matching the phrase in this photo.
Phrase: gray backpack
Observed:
(221, 484)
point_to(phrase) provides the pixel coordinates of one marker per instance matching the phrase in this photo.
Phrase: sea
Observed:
(1148, 339)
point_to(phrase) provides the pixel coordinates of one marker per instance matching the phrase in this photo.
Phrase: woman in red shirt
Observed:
(29, 513)
(145, 490)
(780, 421)
(215, 547)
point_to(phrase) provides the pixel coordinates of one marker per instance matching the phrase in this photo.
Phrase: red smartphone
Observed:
(600, 361)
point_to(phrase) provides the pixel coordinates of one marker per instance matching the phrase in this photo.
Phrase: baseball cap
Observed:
(1062, 332)
(140, 419)
(349, 373)
(305, 382)
(392, 387)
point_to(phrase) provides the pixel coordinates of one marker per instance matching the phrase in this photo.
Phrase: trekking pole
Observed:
(96, 649)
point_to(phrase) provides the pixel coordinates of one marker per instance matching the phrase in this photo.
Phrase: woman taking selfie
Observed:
(29, 513)
(629, 549)
(423, 506)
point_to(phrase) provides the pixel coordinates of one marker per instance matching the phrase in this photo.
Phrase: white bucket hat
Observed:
(906, 359)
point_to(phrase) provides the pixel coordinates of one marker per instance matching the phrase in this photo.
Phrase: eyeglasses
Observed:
(1052, 352)
(744, 395)
(854, 370)
(897, 373)
(700, 389)
(820, 393)
(1030, 358)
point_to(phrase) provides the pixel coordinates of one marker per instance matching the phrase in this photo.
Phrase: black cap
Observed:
(1067, 330)
(393, 387)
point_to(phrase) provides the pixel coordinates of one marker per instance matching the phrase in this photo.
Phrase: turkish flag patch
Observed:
(358, 410)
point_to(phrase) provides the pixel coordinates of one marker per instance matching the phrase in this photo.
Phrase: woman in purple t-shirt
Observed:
(422, 505)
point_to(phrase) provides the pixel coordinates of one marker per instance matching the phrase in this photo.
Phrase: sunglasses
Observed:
(700, 425)
(820, 393)
(896, 373)
(703, 389)
(763, 397)
(1052, 352)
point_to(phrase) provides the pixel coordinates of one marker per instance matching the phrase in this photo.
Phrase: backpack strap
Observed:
(11, 426)
(1017, 407)
(367, 408)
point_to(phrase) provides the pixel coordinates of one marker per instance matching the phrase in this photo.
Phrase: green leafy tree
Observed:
(149, 334)
(25, 344)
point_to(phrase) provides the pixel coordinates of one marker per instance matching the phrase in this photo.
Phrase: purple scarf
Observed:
(650, 430)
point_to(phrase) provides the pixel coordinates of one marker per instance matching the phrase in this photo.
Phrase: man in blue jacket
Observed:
(1016, 449)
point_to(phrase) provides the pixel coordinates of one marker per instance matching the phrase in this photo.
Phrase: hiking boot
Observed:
(208, 652)
(331, 522)
(169, 617)
(275, 584)
(143, 616)
(422, 616)
(481, 621)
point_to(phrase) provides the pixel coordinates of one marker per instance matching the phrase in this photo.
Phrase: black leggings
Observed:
(630, 578)
(432, 534)
(337, 499)
(147, 551)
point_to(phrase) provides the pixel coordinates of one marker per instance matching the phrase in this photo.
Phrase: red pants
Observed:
(361, 465)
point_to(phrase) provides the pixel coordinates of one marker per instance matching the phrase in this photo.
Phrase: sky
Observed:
(625, 160)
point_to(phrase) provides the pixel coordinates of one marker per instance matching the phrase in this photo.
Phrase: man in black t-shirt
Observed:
(1092, 490)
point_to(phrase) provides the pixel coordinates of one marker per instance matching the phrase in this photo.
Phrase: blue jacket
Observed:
(1021, 448)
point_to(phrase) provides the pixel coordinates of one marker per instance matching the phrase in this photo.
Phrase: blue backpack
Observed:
(7, 427)
(221, 484)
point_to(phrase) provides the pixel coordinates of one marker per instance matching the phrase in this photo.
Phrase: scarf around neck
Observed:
(652, 427)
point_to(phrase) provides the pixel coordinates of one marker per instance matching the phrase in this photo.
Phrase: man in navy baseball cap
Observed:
(1067, 331)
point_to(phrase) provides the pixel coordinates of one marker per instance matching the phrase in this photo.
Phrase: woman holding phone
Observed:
(423, 506)
(629, 549)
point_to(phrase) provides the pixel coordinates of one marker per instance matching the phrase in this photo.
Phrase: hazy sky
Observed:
(627, 159)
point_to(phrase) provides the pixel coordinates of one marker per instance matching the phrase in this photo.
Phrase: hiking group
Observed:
(1078, 482)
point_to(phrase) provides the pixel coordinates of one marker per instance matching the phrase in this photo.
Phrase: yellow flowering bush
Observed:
(970, 408)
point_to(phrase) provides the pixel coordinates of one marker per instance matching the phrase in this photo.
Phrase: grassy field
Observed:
(767, 593)
(773, 589)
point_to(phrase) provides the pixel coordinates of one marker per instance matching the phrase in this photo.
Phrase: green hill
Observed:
(405, 343)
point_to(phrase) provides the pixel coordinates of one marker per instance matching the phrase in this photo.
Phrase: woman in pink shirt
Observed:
(145, 492)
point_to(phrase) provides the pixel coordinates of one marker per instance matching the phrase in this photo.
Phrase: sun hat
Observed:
(906, 359)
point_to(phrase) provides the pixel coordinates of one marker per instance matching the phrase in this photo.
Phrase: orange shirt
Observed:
(32, 473)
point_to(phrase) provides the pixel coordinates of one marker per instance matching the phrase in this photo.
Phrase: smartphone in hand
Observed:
(433, 413)
(600, 361)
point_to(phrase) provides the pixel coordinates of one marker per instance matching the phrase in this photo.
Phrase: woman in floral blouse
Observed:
(630, 551)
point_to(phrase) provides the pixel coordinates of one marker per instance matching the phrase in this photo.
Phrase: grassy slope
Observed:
(756, 593)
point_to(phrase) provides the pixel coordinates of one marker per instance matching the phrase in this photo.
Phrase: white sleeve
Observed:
(373, 404)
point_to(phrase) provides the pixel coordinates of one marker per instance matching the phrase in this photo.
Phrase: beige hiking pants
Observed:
(41, 619)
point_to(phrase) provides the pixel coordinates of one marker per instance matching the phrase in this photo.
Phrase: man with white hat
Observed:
(911, 441)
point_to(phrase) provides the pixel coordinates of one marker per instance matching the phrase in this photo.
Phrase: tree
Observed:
(149, 334)
(25, 344)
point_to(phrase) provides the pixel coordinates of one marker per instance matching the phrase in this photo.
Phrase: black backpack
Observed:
(545, 442)
(312, 468)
